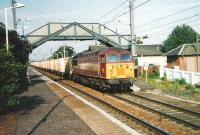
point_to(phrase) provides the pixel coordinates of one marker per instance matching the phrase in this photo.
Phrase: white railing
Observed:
(172, 74)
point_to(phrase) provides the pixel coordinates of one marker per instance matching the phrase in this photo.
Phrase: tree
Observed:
(69, 51)
(19, 47)
(13, 64)
(180, 35)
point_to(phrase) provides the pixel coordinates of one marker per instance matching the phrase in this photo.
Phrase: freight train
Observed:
(104, 69)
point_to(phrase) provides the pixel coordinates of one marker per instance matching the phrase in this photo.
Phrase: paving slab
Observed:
(143, 85)
(46, 114)
(52, 110)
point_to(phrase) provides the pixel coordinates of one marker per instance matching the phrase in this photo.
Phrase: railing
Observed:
(172, 74)
(77, 31)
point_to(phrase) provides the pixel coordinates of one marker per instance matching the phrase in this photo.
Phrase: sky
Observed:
(43, 11)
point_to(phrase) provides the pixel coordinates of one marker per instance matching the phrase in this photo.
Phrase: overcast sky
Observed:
(42, 11)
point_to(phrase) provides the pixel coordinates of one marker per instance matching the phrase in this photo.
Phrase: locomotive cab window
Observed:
(125, 57)
(112, 58)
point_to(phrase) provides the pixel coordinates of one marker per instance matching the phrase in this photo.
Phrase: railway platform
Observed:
(52, 110)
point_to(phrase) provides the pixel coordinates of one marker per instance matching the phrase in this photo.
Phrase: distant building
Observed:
(150, 55)
(96, 47)
(185, 57)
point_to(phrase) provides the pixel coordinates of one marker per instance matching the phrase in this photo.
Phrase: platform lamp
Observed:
(16, 5)
(64, 51)
(56, 61)
(22, 21)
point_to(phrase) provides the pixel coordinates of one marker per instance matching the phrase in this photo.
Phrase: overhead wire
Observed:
(173, 14)
(169, 23)
(162, 18)
(157, 34)
(191, 21)
(118, 6)
(114, 18)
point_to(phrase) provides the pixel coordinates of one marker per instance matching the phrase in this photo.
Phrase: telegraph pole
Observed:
(197, 42)
(132, 28)
(64, 51)
(14, 14)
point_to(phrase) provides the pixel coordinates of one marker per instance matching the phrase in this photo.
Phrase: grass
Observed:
(178, 88)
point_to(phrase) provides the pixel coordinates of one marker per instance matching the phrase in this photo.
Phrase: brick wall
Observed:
(172, 61)
(141, 71)
(186, 63)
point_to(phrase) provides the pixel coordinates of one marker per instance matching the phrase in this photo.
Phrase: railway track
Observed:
(181, 115)
(158, 129)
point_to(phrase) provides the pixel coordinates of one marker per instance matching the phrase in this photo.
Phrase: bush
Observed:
(13, 66)
(13, 101)
(12, 75)
(155, 73)
(182, 81)
(164, 78)
(176, 84)
(190, 87)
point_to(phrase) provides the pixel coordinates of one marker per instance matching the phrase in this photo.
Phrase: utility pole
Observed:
(132, 27)
(64, 51)
(197, 42)
(14, 14)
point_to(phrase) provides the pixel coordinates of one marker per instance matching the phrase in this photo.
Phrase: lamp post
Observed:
(56, 61)
(17, 5)
(23, 22)
(64, 51)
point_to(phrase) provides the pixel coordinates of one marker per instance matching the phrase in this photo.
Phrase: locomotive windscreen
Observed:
(125, 57)
(119, 58)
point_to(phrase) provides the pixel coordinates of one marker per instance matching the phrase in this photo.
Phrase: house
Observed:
(150, 55)
(185, 57)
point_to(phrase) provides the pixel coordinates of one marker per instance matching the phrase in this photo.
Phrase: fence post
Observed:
(181, 74)
(160, 72)
(173, 74)
(166, 72)
(192, 78)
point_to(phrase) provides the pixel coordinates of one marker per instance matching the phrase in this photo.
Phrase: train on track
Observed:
(104, 69)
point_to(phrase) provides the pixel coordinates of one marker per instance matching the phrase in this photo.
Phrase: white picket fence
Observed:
(172, 74)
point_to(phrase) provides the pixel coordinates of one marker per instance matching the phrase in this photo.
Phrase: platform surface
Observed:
(51, 110)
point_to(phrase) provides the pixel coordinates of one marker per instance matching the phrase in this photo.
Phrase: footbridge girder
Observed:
(77, 31)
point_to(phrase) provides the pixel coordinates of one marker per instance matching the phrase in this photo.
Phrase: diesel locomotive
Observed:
(108, 68)
(104, 69)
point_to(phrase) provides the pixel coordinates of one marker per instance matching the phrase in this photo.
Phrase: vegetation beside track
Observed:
(178, 88)
(13, 68)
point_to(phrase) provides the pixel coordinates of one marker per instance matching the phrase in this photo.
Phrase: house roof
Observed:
(184, 50)
(96, 47)
(149, 50)
(145, 50)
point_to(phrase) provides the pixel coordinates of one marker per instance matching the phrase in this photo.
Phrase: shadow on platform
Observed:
(26, 104)
(46, 116)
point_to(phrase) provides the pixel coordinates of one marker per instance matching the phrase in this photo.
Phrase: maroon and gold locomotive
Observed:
(107, 68)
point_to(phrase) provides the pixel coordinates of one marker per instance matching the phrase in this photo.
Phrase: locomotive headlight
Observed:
(110, 67)
(129, 67)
